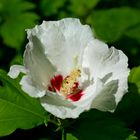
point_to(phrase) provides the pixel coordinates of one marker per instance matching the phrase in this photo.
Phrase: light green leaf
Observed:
(17, 110)
(110, 25)
(49, 7)
(15, 19)
(82, 7)
(132, 137)
(134, 77)
(70, 137)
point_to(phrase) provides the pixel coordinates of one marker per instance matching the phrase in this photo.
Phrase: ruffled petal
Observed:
(112, 63)
(55, 49)
(105, 100)
(39, 67)
(59, 106)
(29, 87)
(100, 96)
(15, 70)
(63, 42)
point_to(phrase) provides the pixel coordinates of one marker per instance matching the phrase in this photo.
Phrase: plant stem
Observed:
(63, 134)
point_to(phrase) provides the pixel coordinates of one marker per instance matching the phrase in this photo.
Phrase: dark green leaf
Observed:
(17, 110)
(100, 127)
(128, 109)
(134, 32)
(18, 59)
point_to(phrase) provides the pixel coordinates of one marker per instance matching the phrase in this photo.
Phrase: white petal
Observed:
(30, 88)
(100, 96)
(39, 67)
(60, 107)
(61, 46)
(64, 41)
(15, 70)
(105, 100)
(103, 61)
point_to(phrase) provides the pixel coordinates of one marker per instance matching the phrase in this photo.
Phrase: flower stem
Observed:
(63, 134)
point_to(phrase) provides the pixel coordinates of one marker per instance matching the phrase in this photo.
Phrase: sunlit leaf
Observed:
(17, 110)
(111, 24)
(70, 137)
(134, 77)
(132, 137)
(16, 17)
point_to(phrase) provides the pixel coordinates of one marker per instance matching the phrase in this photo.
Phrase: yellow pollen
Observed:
(69, 82)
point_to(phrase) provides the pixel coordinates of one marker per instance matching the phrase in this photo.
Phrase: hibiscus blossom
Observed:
(71, 71)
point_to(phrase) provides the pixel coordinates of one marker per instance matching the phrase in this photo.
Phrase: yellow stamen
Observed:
(69, 82)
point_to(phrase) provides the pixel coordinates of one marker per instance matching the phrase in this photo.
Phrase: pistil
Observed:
(67, 87)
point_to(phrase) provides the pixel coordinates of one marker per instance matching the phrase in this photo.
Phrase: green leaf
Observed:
(15, 19)
(18, 59)
(128, 109)
(100, 127)
(110, 25)
(132, 137)
(49, 7)
(17, 110)
(134, 77)
(70, 137)
(82, 7)
(134, 32)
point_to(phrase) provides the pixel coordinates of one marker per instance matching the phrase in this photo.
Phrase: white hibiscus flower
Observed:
(71, 71)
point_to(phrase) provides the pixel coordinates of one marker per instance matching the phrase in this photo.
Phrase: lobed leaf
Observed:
(15, 19)
(70, 137)
(134, 32)
(134, 77)
(110, 25)
(100, 127)
(17, 110)
(132, 137)
(49, 8)
(82, 7)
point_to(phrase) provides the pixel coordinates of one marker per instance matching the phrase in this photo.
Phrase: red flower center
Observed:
(68, 86)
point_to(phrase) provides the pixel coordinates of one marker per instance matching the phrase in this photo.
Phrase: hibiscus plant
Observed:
(67, 76)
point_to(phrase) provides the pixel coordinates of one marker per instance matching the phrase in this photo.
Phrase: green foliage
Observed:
(110, 25)
(134, 77)
(49, 8)
(99, 126)
(18, 59)
(82, 7)
(70, 137)
(134, 32)
(117, 23)
(17, 110)
(132, 137)
(15, 18)
(128, 109)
